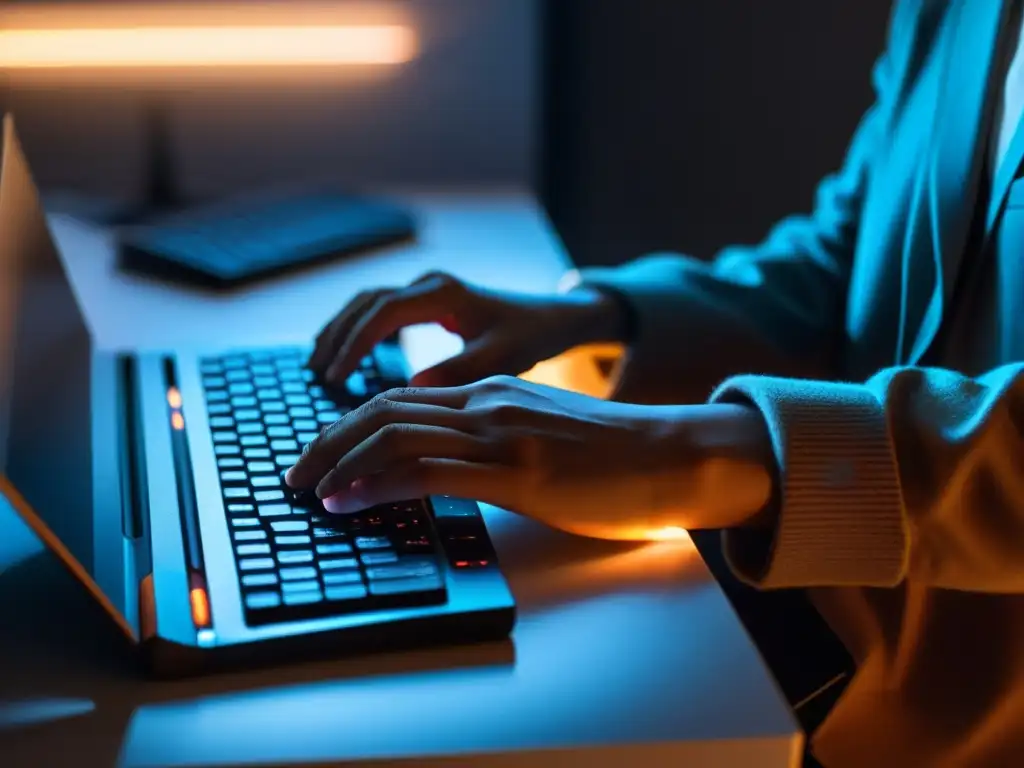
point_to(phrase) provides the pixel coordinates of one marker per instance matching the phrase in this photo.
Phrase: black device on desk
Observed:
(245, 239)
(156, 478)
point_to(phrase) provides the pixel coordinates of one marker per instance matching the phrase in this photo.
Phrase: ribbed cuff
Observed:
(840, 519)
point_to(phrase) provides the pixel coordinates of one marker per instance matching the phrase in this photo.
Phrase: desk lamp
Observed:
(150, 47)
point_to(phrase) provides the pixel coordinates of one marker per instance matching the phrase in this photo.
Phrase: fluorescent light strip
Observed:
(163, 47)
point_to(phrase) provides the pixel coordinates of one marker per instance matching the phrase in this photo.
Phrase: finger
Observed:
(424, 302)
(426, 477)
(481, 358)
(395, 444)
(334, 334)
(447, 397)
(320, 455)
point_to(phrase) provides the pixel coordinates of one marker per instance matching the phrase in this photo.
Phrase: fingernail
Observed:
(341, 504)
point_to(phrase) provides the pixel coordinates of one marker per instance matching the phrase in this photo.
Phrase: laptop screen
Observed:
(45, 371)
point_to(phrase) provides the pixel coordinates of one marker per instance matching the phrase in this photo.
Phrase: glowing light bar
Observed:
(177, 421)
(174, 398)
(200, 604)
(215, 46)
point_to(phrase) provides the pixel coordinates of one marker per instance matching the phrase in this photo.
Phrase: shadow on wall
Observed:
(691, 125)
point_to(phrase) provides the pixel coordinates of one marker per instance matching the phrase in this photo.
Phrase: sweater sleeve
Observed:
(916, 474)
(777, 307)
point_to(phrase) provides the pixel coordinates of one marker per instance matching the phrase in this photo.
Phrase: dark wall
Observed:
(463, 112)
(690, 124)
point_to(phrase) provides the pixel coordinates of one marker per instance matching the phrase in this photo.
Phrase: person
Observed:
(845, 401)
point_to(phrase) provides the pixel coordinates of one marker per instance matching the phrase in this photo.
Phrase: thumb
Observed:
(480, 359)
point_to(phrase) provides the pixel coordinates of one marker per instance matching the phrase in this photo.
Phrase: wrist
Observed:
(727, 465)
(595, 317)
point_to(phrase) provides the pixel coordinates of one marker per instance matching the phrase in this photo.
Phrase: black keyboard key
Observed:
(296, 574)
(262, 600)
(345, 592)
(303, 598)
(259, 579)
(289, 526)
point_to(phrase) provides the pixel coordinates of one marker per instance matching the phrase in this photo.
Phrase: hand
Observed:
(504, 332)
(587, 466)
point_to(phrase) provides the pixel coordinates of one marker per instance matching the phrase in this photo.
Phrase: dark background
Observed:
(643, 124)
(691, 124)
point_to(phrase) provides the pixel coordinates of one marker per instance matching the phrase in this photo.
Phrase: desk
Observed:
(622, 655)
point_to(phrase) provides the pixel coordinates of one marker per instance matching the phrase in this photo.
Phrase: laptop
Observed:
(156, 479)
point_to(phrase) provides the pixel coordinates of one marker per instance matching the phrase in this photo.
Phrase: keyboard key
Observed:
(279, 432)
(233, 477)
(262, 600)
(322, 534)
(243, 401)
(234, 361)
(292, 541)
(373, 542)
(269, 394)
(300, 586)
(225, 450)
(209, 367)
(325, 405)
(378, 558)
(221, 422)
(256, 564)
(293, 388)
(250, 441)
(269, 495)
(253, 549)
(244, 522)
(284, 446)
(345, 592)
(334, 565)
(288, 526)
(259, 579)
(262, 369)
(414, 568)
(218, 409)
(295, 574)
(306, 425)
(265, 381)
(225, 437)
(290, 375)
(328, 417)
(215, 382)
(287, 460)
(297, 399)
(250, 535)
(303, 598)
(295, 556)
(274, 510)
(256, 453)
(276, 419)
(238, 374)
(241, 388)
(240, 509)
(333, 549)
(266, 481)
(273, 406)
(250, 428)
(261, 467)
(302, 412)
(396, 586)
(343, 577)
(305, 438)
(236, 493)
(356, 385)
(216, 396)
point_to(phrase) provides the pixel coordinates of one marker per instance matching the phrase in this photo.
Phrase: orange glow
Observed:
(214, 46)
(670, 533)
(200, 607)
(174, 398)
(177, 420)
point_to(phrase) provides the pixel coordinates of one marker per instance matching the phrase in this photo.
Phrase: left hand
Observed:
(587, 466)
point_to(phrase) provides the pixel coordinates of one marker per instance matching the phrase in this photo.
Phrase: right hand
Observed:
(504, 332)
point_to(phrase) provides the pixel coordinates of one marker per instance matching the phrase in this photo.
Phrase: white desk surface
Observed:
(621, 656)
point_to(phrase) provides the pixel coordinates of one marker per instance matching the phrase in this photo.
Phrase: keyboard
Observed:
(294, 560)
(244, 239)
